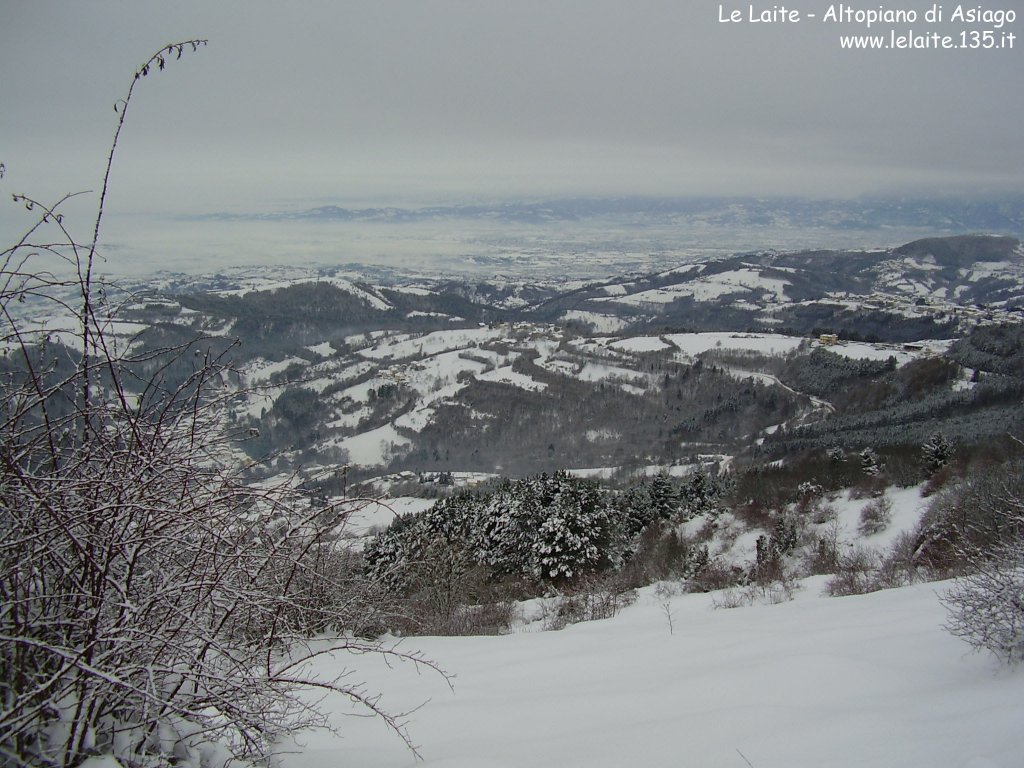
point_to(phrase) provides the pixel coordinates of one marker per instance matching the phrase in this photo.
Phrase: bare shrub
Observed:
(823, 551)
(487, 619)
(444, 579)
(822, 513)
(980, 513)
(754, 513)
(875, 517)
(869, 487)
(451, 594)
(938, 480)
(855, 574)
(587, 602)
(733, 597)
(665, 590)
(662, 553)
(897, 568)
(781, 591)
(768, 593)
(717, 575)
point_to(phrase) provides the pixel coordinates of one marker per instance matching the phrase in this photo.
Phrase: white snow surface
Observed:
(324, 349)
(870, 681)
(598, 322)
(710, 288)
(379, 513)
(903, 355)
(508, 376)
(431, 343)
(640, 344)
(693, 344)
(374, 447)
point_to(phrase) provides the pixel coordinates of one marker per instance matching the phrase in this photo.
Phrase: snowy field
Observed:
(710, 288)
(866, 681)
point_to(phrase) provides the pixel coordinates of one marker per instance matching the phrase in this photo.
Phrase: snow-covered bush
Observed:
(809, 491)
(575, 535)
(154, 605)
(664, 497)
(986, 607)
(700, 493)
(978, 514)
(855, 573)
(589, 601)
(550, 528)
(875, 516)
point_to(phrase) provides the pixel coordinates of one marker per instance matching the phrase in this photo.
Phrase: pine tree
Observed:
(700, 493)
(574, 536)
(870, 464)
(836, 455)
(664, 497)
(935, 454)
(634, 510)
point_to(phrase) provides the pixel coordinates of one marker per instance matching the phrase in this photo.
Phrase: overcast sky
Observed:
(300, 103)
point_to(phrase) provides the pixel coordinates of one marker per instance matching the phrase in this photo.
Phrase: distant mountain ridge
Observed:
(1004, 215)
(925, 289)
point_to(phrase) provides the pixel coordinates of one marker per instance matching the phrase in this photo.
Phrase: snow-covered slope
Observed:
(866, 681)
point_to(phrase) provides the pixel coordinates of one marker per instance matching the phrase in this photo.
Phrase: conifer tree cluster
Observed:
(547, 529)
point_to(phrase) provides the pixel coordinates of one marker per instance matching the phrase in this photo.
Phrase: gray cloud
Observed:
(454, 98)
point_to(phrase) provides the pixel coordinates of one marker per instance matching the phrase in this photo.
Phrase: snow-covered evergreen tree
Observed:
(700, 494)
(575, 536)
(935, 453)
(634, 510)
(870, 464)
(664, 497)
(512, 520)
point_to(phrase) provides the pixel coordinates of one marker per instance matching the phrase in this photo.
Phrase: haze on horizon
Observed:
(389, 102)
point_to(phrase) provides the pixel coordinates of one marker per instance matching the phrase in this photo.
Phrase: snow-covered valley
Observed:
(640, 489)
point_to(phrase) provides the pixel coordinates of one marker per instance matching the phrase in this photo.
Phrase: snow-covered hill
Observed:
(405, 372)
(945, 280)
(870, 681)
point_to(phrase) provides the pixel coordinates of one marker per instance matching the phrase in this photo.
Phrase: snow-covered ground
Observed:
(375, 447)
(902, 353)
(860, 681)
(379, 513)
(599, 323)
(710, 288)
(693, 344)
(432, 343)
